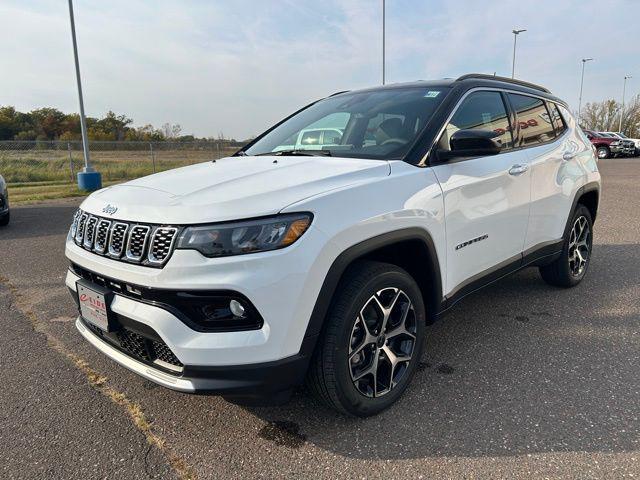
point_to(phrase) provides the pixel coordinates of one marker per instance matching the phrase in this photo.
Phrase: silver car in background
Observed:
(4, 203)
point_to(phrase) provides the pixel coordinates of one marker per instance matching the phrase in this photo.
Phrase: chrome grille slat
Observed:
(137, 242)
(145, 244)
(90, 232)
(82, 222)
(74, 225)
(117, 239)
(101, 236)
(161, 244)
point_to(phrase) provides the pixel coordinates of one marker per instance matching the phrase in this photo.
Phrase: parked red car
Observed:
(605, 146)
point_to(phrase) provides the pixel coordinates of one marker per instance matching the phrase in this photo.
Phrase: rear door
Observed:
(555, 151)
(486, 199)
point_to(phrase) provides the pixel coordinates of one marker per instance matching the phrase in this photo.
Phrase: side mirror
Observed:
(472, 143)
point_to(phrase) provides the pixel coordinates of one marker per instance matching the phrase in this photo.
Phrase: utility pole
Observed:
(624, 88)
(383, 40)
(584, 61)
(515, 39)
(88, 179)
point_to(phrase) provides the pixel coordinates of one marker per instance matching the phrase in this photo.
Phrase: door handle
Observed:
(518, 169)
(566, 156)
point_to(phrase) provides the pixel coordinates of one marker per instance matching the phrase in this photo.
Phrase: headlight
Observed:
(237, 238)
(615, 144)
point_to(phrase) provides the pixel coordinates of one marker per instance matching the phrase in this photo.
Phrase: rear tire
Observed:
(569, 270)
(603, 152)
(372, 341)
(4, 220)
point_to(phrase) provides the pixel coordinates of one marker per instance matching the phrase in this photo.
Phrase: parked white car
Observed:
(247, 275)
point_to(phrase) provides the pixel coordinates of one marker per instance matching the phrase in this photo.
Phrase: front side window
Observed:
(377, 124)
(480, 111)
(533, 119)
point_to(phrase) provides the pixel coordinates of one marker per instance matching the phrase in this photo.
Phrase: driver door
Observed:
(486, 199)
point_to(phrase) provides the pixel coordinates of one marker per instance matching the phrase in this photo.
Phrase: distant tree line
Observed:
(605, 116)
(52, 124)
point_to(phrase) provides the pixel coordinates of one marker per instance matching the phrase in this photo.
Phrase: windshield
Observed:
(379, 124)
(621, 135)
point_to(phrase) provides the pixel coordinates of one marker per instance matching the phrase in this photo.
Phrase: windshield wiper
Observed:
(306, 153)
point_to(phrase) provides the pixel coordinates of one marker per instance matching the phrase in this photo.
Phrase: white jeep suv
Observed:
(247, 275)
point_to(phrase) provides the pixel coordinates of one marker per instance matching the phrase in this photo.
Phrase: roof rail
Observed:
(484, 76)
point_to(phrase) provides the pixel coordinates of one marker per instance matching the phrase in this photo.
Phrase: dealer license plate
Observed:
(93, 306)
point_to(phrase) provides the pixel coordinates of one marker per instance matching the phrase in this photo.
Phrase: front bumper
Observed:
(191, 370)
(283, 286)
(616, 149)
(261, 380)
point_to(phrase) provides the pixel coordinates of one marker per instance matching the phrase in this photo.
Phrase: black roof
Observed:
(472, 80)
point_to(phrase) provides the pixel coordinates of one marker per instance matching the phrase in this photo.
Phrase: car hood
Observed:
(229, 188)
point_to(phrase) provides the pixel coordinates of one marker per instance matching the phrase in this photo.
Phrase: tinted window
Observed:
(384, 127)
(331, 137)
(533, 119)
(556, 118)
(376, 124)
(480, 111)
(311, 138)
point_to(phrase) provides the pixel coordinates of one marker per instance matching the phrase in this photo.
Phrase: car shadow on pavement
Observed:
(517, 368)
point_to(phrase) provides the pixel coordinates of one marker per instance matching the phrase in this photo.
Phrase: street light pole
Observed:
(624, 88)
(515, 39)
(584, 60)
(88, 179)
(383, 40)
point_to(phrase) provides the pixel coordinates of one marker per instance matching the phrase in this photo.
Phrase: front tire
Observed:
(4, 220)
(372, 342)
(603, 152)
(571, 267)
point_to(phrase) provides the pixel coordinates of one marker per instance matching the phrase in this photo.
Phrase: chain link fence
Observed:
(47, 169)
(46, 161)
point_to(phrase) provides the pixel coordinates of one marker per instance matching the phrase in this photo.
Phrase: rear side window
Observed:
(556, 118)
(533, 120)
(481, 111)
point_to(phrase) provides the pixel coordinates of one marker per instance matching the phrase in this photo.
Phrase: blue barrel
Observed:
(89, 181)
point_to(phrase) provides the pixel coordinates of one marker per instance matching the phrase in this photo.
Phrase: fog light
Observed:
(236, 308)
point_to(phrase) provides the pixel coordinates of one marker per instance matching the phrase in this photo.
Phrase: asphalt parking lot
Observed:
(520, 380)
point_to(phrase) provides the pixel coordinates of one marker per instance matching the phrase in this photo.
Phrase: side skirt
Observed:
(541, 254)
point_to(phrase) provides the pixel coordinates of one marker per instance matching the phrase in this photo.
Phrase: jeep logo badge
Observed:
(109, 209)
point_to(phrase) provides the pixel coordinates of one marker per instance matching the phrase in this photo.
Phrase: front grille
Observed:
(102, 236)
(161, 244)
(145, 244)
(137, 242)
(164, 354)
(134, 344)
(152, 351)
(82, 222)
(90, 232)
(117, 239)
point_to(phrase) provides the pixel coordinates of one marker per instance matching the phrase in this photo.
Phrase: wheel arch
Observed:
(590, 199)
(587, 195)
(412, 249)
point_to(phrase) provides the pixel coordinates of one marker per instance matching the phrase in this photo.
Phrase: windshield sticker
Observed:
(432, 94)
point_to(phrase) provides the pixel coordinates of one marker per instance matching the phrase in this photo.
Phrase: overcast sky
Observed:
(238, 66)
